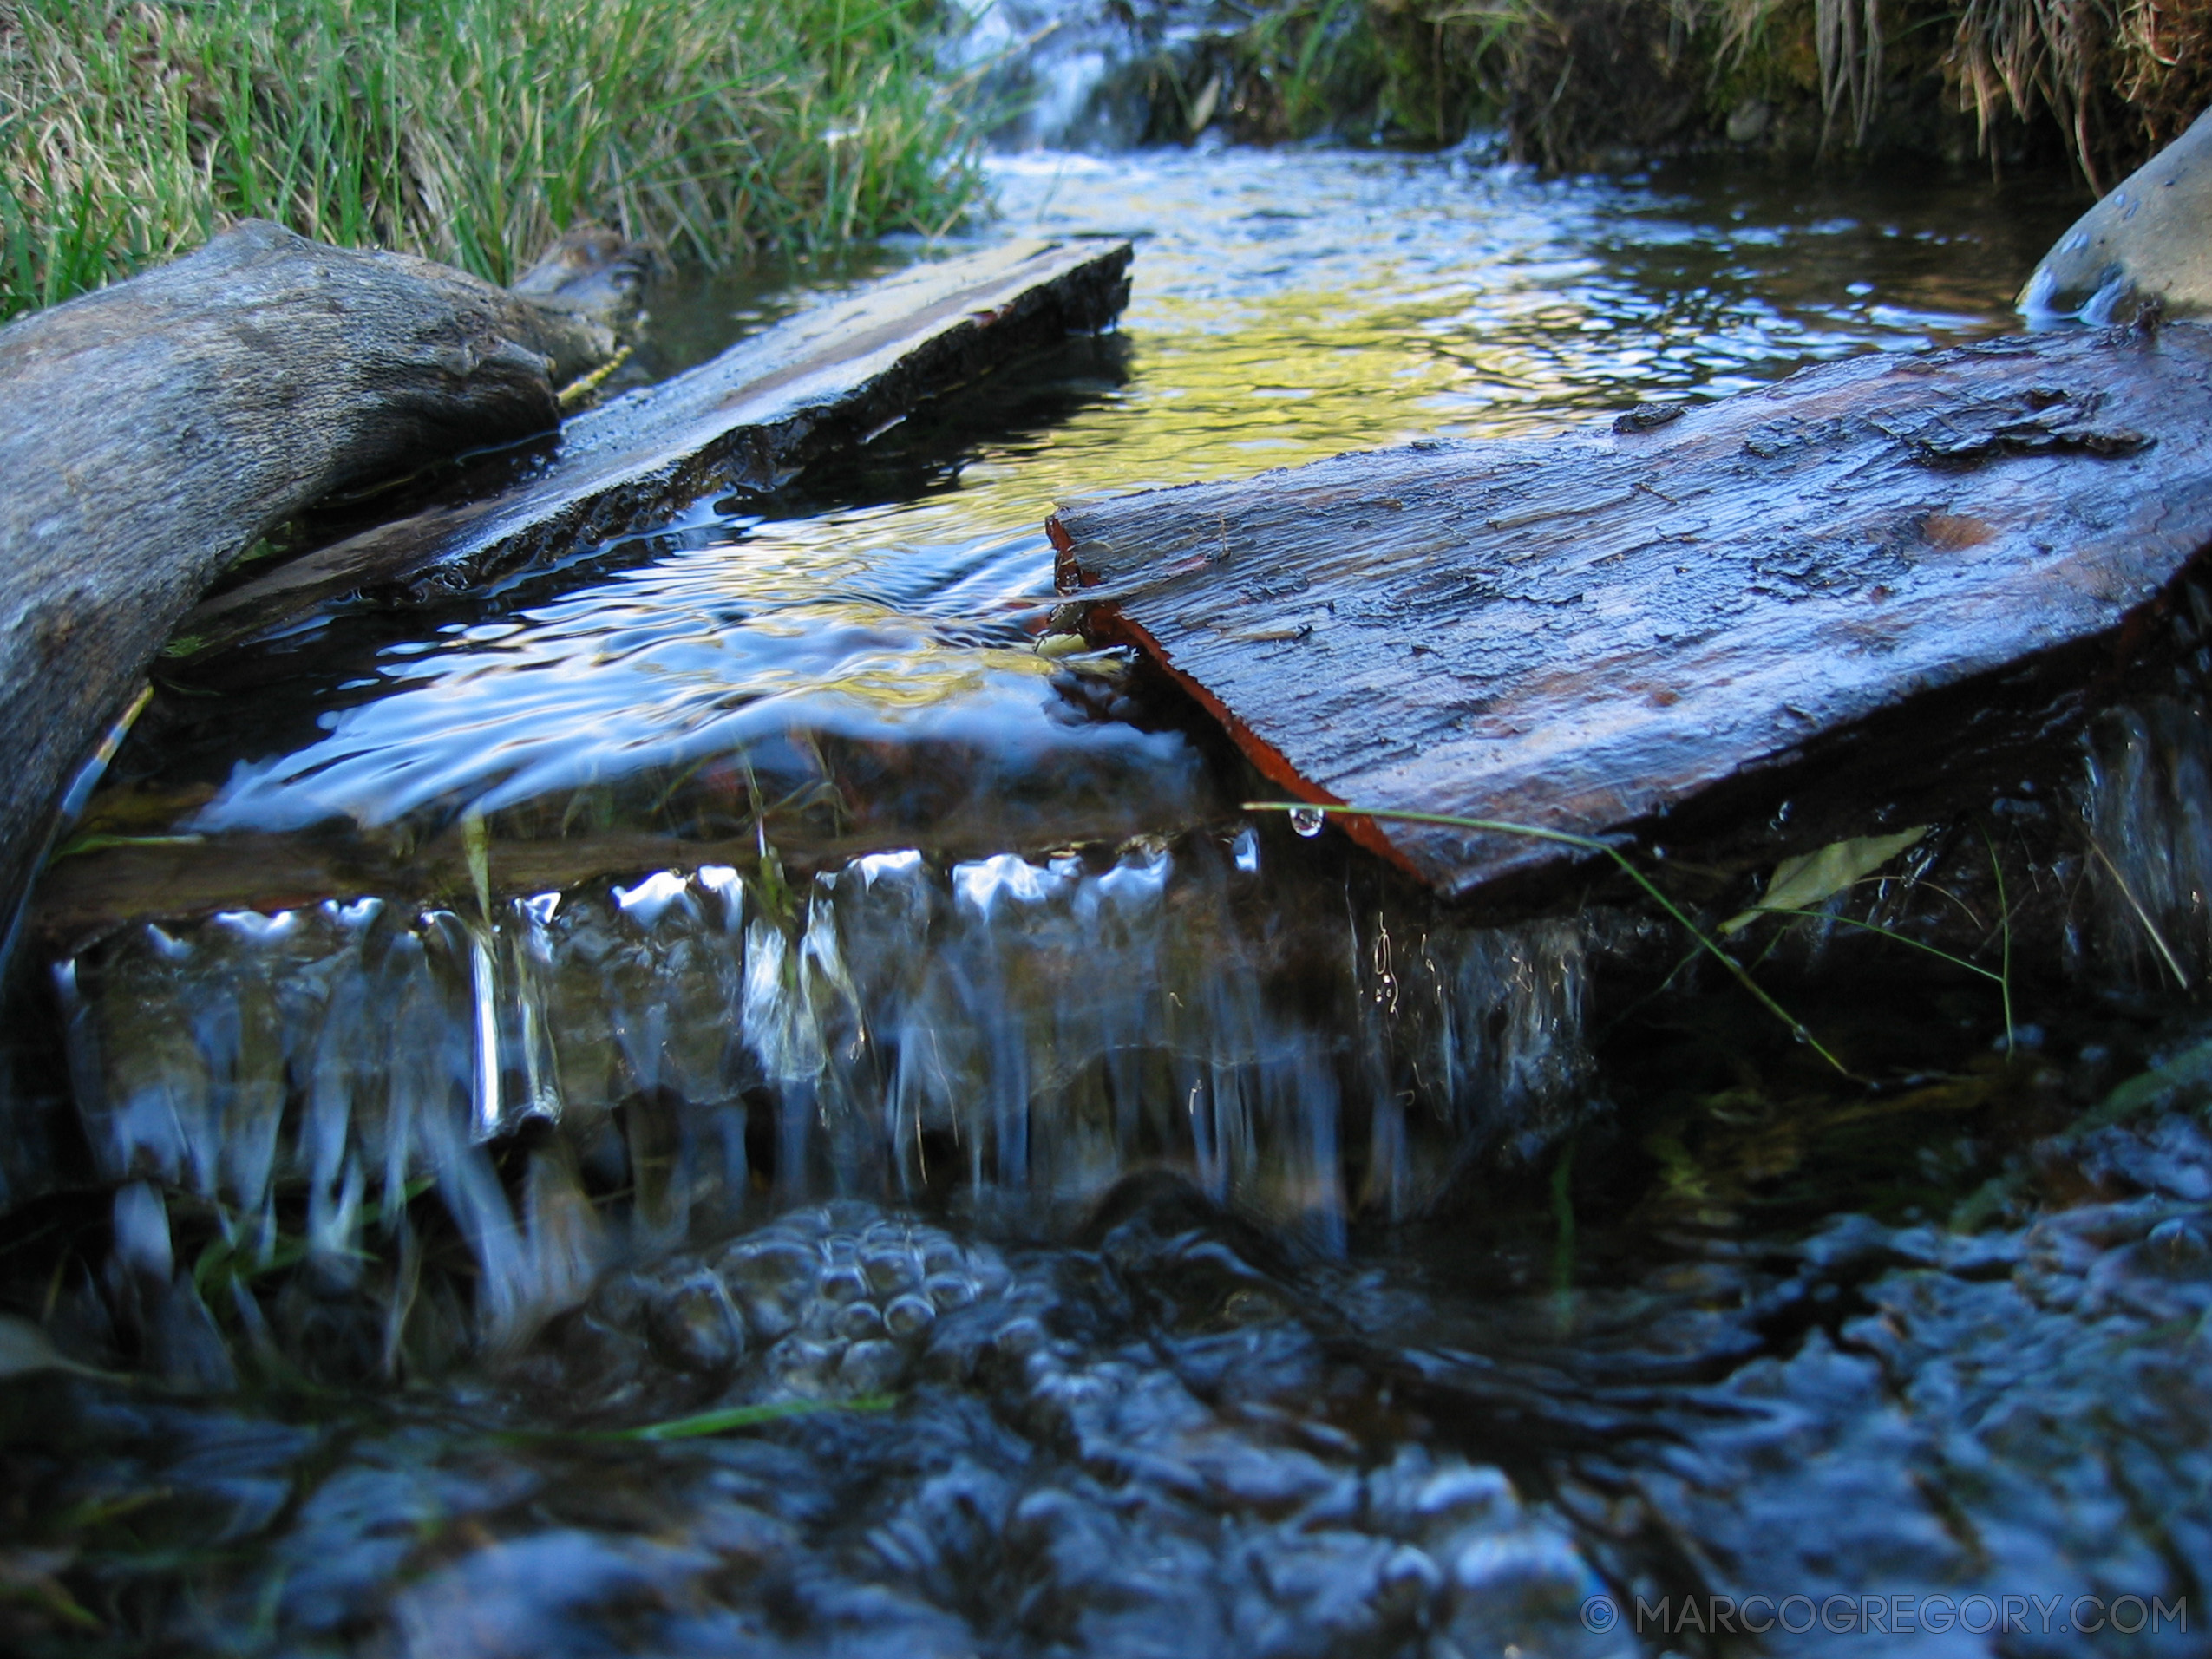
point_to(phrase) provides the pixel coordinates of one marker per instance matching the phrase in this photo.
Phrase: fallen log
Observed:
(151, 432)
(749, 418)
(1844, 582)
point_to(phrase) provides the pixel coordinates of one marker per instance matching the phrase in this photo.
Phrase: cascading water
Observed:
(2149, 811)
(1015, 1036)
(1083, 77)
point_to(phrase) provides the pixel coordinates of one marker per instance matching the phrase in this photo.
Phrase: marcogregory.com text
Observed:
(1907, 1615)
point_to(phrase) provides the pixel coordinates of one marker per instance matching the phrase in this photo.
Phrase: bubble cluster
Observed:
(829, 1304)
(841, 1296)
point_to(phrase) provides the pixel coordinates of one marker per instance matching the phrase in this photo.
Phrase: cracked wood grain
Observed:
(1860, 573)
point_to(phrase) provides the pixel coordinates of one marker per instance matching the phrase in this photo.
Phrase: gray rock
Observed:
(2150, 239)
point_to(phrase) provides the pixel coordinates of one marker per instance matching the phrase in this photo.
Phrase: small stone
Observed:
(1406, 1585)
(890, 1268)
(941, 1255)
(858, 1322)
(950, 1290)
(804, 1368)
(764, 1263)
(1748, 121)
(2177, 1245)
(1461, 1494)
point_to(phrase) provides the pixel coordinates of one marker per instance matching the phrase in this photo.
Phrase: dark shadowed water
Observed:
(718, 1099)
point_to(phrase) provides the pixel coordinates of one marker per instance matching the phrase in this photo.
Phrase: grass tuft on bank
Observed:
(472, 131)
(1572, 82)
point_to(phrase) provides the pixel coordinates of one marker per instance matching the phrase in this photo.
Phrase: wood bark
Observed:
(1846, 587)
(749, 418)
(150, 431)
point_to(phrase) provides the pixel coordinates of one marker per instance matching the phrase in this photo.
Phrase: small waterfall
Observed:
(2148, 802)
(629, 1065)
(1058, 67)
(1094, 77)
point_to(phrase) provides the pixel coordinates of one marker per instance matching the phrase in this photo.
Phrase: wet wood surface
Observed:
(835, 373)
(1851, 579)
(151, 431)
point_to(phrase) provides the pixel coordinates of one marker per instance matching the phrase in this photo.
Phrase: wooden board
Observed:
(1850, 574)
(838, 372)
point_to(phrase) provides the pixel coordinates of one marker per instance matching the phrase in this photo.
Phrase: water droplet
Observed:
(1307, 820)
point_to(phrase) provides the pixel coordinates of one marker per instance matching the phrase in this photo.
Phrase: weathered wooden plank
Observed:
(837, 372)
(149, 432)
(1866, 566)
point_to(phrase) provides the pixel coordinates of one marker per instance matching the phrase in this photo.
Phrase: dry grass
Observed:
(468, 130)
(2118, 78)
(2122, 77)
(2113, 79)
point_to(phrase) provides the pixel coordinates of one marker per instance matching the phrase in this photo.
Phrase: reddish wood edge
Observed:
(1104, 625)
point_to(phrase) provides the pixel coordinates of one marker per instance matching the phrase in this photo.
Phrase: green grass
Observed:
(472, 131)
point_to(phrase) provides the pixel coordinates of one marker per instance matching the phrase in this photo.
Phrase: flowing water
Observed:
(714, 1098)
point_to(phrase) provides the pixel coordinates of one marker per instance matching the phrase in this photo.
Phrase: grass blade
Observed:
(1590, 844)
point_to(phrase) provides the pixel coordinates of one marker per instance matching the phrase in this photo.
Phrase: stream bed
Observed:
(1031, 1204)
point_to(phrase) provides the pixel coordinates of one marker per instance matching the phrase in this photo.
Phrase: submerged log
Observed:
(1845, 582)
(590, 273)
(749, 418)
(150, 431)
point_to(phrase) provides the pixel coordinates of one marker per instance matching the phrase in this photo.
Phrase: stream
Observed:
(1031, 1204)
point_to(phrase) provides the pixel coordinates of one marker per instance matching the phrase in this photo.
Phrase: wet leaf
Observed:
(2190, 1069)
(1813, 877)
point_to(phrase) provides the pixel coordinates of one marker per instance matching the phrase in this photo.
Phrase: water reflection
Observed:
(1288, 306)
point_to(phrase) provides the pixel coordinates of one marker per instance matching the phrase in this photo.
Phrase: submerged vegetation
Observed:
(1573, 82)
(472, 131)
